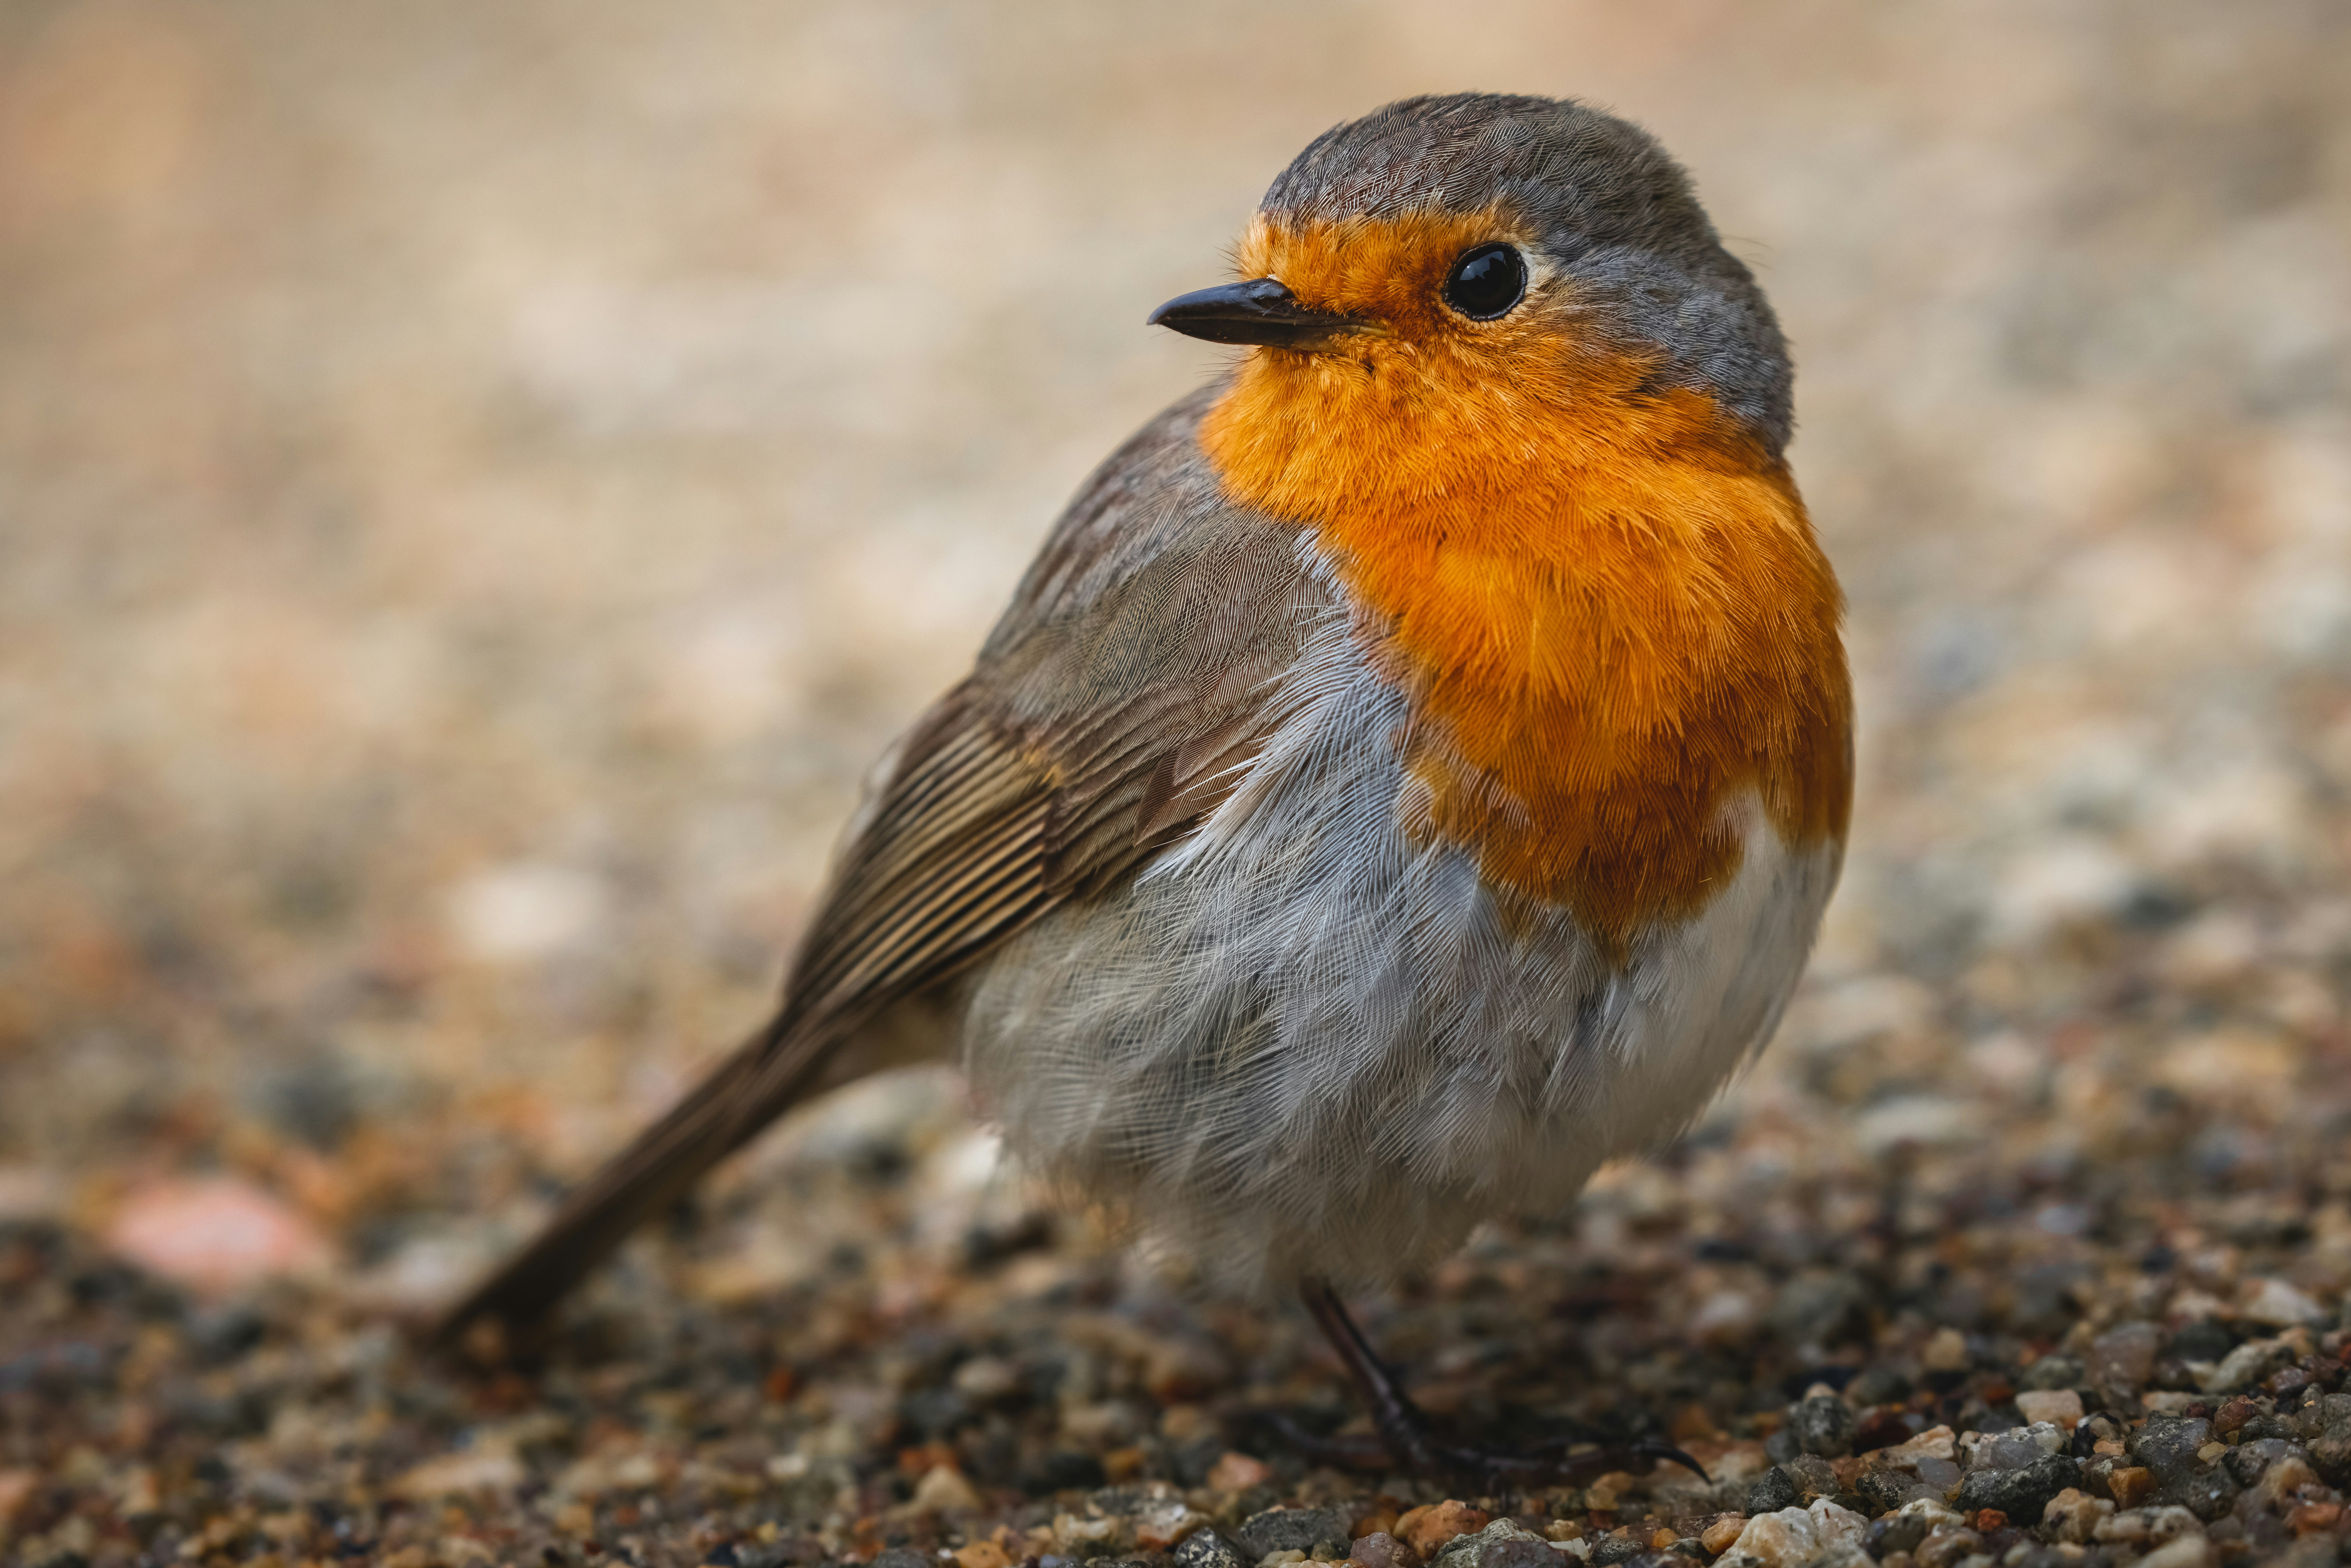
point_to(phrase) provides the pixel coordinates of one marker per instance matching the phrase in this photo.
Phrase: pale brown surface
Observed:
(477, 485)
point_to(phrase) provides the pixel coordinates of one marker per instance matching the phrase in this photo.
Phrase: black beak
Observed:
(1258, 311)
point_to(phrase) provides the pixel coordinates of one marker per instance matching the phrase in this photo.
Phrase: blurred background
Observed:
(479, 484)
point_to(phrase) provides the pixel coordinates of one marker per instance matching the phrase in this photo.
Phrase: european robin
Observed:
(1410, 774)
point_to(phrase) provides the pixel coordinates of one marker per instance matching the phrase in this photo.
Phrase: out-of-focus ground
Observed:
(477, 485)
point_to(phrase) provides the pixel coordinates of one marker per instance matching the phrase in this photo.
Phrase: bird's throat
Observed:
(1604, 600)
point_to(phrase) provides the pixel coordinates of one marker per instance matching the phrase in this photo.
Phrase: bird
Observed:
(1410, 774)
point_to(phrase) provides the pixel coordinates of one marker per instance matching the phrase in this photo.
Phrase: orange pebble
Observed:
(2313, 1517)
(1238, 1472)
(1429, 1527)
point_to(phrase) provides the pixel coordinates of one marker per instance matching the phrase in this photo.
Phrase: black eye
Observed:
(1486, 281)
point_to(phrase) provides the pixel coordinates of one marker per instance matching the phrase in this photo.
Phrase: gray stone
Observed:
(2052, 1372)
(1886, 1491)
(2124, 1356)
(1195, 1458)
(2021, 1494)
(2202, 1340)
(2168, 1444)
(2246, 1366)
(1206, 1549)
(2247, 1460)
(1890, 1536)
(1774, 1490)
(1820, 1309)
(2010, 1450)
(1824, 1425)
(2208, 1494)
(1814, 1477)
(1504, 1543)
(787, 1553)
(1293, 1530)
(1877, 1385)
(1519, 1552)
(1381, 1550)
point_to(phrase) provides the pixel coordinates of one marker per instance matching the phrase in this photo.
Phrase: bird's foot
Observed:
(1410, 1441)
(1415, 1445)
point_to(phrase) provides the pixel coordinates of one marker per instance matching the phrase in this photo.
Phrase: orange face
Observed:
(1602, 592)
(1390, 273)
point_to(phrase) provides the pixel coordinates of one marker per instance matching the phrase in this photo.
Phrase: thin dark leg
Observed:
(1404, 1428)
(1409, 1440)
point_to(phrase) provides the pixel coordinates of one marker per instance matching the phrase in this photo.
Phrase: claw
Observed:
(1650, 1450)
(1435, 1458)
(1368, 1454)
(1410, 1442)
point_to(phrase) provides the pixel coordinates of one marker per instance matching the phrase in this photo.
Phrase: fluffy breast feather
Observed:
(1309, 1041)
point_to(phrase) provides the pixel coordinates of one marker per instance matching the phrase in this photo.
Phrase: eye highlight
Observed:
(1486, 281)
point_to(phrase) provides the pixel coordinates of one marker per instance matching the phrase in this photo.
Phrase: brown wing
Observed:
(1136, 669)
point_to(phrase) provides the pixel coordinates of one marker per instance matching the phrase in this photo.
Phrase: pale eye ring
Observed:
(1486, 281)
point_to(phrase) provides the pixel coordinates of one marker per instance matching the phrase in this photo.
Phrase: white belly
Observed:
(1304, 1045)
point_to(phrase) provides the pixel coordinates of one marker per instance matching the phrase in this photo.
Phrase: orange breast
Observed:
(1605, 601)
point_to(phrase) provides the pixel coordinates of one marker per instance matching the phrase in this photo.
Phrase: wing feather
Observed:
(1135, 674)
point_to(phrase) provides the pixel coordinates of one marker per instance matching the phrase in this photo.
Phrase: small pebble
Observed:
(1208, 1549)
(1236, 1471)
(1381, 1550)
(214, 1234)
(2062, 1407)
(945, 1491)
(1427, 1528)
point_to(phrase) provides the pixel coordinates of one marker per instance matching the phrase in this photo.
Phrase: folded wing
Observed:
(1134, 674)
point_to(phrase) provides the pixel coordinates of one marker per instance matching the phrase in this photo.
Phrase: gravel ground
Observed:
(476, 489)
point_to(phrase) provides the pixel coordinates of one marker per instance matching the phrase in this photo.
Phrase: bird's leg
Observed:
(1406, 1434)
(1410, 1440)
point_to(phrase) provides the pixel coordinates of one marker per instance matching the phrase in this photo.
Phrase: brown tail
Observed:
(760, 1080)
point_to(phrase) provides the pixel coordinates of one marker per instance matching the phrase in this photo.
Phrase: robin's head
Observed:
(1504, 254)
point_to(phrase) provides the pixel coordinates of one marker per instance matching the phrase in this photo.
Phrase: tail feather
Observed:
(760, 1082)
